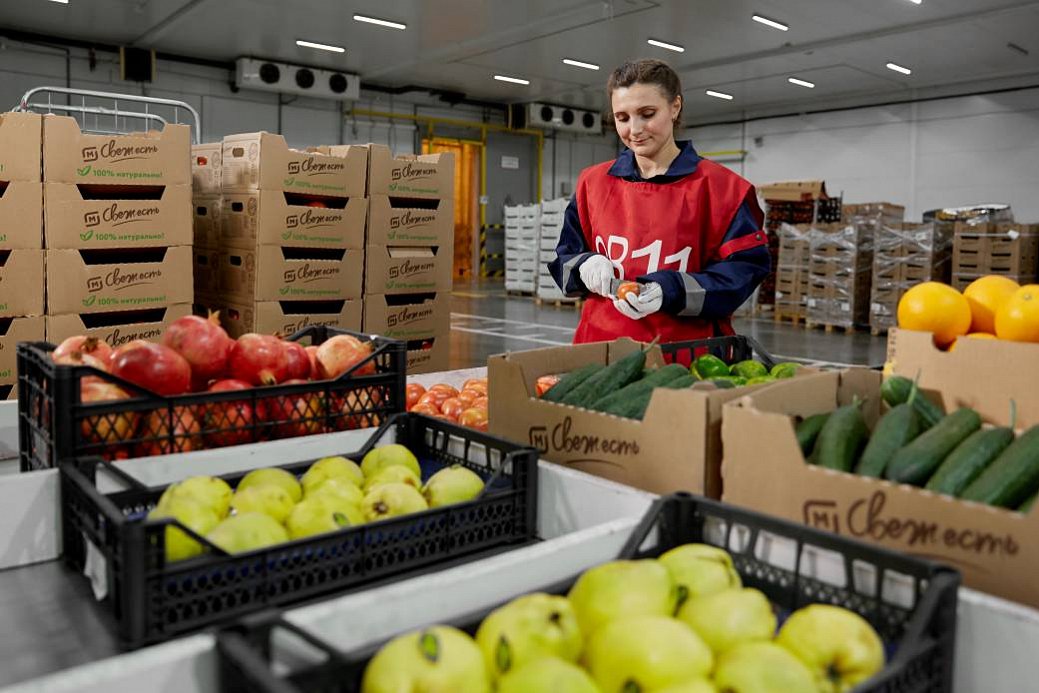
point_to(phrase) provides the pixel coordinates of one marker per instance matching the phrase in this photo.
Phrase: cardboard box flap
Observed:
(424, 176)
(264, 161)
(20, 147)
(794, 191)
(21, 215)
(116, 328)
(76, 218)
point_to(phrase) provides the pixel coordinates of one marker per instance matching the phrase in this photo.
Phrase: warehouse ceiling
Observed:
(842, 47)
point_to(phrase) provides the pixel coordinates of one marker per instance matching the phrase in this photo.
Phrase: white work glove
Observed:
(649, 301)
(597, 274)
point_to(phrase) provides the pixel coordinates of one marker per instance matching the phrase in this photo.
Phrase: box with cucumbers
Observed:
(885, 460)
(646, 415)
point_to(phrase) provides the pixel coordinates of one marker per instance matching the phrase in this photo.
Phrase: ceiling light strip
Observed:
(320, 46)
(379, 22)
(801, 82)
(899, 68)
(770, 22)
(511, 80)
(578, 63)
(664, 44)
(719, 95)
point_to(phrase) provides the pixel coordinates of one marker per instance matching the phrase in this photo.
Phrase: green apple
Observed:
(318, 515)
(621, 589)
(729, 617)
(269, 499)
(840, 647)
(455, 484)
(392, 500)
(389, 456)
(396, 474)
(526, 629)
(699, 685)
(331, 468)
(207, 490)
(247, 532)
(547, 675)
(276, 477)
(199, 518)
(337, 487)
(644, 653)
(700, 569)
(762, 667)
(439, 659)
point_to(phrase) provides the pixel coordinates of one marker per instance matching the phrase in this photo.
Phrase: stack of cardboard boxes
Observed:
(1003, 248)
(117, 231)
(21, 241)
(287, 250)
(792, 266)
(409, 253)
(905, 255)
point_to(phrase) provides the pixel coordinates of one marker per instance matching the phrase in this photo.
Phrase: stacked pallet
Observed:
(792, 269)
(522, 231)
(839, 274)
(905, 254)
(1004, 248)
(550, 229)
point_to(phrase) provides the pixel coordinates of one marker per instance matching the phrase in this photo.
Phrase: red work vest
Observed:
(645, 227)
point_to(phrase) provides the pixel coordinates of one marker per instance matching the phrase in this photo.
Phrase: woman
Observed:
(688, 230)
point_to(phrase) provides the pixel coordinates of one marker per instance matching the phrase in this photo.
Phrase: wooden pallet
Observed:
(878, 331)
(795, 318)
(834, 328)
(558, 302)
(518, 292)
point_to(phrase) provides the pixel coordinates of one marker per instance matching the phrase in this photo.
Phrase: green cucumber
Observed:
(808, 431)
(635, 407)
(1013, 477)
(969, 459)
(899, 426)
(652, 379)
(915, 462)
(841, 438)
(1026, 507)
(896, 390)
(571, 380)
(615, 376)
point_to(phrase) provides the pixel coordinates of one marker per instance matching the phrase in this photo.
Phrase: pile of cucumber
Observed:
(916, 443)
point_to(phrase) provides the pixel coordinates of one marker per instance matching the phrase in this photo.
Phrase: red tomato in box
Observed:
(414, 392)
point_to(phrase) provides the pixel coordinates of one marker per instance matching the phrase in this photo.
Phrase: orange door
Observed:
(467, 169)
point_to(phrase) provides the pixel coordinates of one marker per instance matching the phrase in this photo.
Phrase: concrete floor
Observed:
(485, 321)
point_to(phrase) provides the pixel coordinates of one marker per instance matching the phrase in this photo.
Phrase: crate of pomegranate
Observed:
(166, 559)
(197, 389)
(703, 597)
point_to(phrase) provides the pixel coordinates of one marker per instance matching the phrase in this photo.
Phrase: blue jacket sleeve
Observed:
(571, 251)
(722, 285)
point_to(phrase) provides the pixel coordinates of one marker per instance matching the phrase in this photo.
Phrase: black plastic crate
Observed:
(920, 637)
(150, 600)
(730, 349)
(54, 424)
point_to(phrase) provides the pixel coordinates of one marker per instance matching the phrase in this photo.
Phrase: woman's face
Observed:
(644, 119)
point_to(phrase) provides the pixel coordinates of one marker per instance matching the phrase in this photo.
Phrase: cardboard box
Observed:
(288, 317)
(73, 221)
(421, 320)
(21, 283)
(676, 446)
(206, 272)
(395, 222)
(150, 158)
(206, 170)
(116, 328)
(272, 273)
(984, 374)
(406, 270)
(428, 176)
(12, 331)
(21, 137)
(996, 550)
(91, 281)
(995, 248)
(21, 215)
(262, 161)
(265, 217)
(794, 191)
(207, 220)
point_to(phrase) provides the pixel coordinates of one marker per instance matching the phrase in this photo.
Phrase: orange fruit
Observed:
(985, 296)
(936, 308)
(1018, 318)
(973, 335)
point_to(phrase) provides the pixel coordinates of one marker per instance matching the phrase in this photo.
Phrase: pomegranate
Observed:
(413, 392)
(258, 359)
(231, 422)
(339, 354)
(296, 415)
(203, 344)
(312, 355)
(82, 358)
(299, 367)
(185, 434)
(152, 366)
(106, 428)
(91, 346)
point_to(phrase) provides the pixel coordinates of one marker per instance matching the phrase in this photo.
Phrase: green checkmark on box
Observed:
(286, 236)
(283, 290)
(83, 171)
(86, 235)
(89, 301)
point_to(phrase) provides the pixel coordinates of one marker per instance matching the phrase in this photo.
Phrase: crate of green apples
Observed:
(710, 607)
(183, 556)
